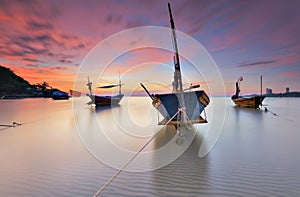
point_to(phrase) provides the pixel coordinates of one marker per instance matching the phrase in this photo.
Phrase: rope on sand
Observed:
(267, 110)
(130, 160)
(14, 124)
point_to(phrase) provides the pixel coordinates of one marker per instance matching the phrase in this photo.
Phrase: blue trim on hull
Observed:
(170, 104)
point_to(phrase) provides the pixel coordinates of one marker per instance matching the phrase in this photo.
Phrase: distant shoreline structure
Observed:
(286, 94)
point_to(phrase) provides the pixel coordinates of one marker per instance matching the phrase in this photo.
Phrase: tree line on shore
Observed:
(14, 85)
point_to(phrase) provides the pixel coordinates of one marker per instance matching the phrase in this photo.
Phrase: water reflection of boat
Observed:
(100, 100)
(253, 101)
(172, 179)
(180, 107)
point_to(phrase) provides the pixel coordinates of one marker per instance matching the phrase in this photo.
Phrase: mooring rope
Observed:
(130, 160)
(267, 110)
(14, 124)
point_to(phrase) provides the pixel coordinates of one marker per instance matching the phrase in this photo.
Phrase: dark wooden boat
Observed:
(100, 100)
(105, 100)
(254, 101)
(179, 107)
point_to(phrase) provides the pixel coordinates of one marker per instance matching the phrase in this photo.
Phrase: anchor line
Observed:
(157, 117)
(14, 124)
(267, 110)
(205, 114)
(130, 160)
(189, 122)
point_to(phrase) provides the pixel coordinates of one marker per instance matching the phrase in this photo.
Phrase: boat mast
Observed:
(89, 84)
(177, 74)
(119, 84)
(261, 90)
(237, 86)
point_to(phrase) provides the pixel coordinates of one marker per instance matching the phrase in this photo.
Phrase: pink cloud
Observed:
(295, 75)
(37, 34)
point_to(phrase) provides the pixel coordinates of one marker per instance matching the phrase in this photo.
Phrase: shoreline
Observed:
(21, 96)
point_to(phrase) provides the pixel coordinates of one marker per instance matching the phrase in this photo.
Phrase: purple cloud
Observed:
(256, 63)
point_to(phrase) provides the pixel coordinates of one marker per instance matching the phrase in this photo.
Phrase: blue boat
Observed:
(59, 95)
(181, 107)
(169, 104)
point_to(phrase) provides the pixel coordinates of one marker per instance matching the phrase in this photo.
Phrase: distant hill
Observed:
(12, 84)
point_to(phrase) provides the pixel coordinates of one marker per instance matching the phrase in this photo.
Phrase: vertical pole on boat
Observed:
(177, 75)
(261, 90)
(119, 84)
(175, 82)
(89, 84)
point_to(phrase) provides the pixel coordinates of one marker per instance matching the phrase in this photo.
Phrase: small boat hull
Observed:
(168, 105)
(251, 102)
(105, 100)
(59, 95)
(60, 98)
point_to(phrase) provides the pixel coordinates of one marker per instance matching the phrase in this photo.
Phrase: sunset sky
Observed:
(48, 40)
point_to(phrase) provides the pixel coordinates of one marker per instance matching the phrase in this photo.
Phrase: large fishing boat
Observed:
(253, 101)
(100, 100)
(181, 107)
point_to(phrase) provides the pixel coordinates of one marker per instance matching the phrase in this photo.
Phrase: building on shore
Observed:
(269, 91)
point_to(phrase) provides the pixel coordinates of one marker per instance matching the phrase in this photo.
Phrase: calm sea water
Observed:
(65, 149)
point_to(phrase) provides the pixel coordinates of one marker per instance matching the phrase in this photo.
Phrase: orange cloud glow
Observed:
(59, 77)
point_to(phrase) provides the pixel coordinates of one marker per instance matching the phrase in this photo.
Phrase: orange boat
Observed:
(247, 101)
(253, 102)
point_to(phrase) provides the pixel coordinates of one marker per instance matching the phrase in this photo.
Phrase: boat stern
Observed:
(168, 105)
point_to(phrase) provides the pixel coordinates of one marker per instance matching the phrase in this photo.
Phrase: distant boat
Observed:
(246, 101)
(59, 95)
(181, 107)
(75, 93)
(100, 100)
